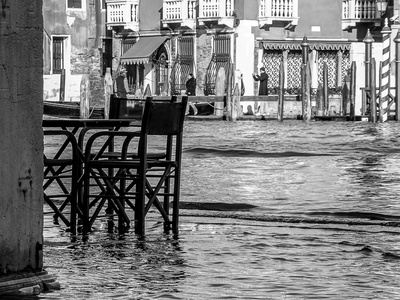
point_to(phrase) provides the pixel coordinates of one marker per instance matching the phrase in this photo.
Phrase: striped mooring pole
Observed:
(385, 79)
(397, 76)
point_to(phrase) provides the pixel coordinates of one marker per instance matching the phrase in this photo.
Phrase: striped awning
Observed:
(314, 45)
(141, 51)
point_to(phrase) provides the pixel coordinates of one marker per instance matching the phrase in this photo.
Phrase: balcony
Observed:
(359, 11)
(219, 12)
(123, 13)
(180, 13)
(278, 11)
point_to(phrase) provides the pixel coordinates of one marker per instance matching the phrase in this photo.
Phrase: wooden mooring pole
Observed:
(306, 80)
(108, 90)
(85, 97)
(353, 72)
(229, 98)
(232, 109)
(62, 85)
(325, 90)
(281, 98)
(220, 91)
(306, 91)
(346, 94)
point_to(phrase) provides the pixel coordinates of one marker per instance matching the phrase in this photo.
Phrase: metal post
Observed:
(368, 40)
(305, 48)
(397, 77)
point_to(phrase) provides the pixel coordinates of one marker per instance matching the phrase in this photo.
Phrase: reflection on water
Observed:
(270, 210)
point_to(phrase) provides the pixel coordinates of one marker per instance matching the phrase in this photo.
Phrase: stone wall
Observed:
(292, 107)
(21, 148)
(88, 61)
(204, 54)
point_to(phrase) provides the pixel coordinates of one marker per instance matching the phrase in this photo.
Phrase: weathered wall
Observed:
(83, 29)
(21, 148)
(150, 15)
(204, 54)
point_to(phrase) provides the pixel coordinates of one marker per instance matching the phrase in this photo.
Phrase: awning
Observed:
(314, 45)
(140, 52)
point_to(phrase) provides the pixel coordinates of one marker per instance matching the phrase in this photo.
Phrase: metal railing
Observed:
(122, 12)
(179, 9)
(359, 9)
(180, 74)
(218, 61)
(216, 8)
(278, 9)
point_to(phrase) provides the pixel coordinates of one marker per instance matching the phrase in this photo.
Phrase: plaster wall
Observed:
(245, 58)
(326, 15)
(21, 149)
(83, 30)
(150, 15)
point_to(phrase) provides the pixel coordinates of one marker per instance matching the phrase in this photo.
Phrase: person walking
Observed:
(262, 90)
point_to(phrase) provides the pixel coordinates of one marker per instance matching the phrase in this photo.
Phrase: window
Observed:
(77, 4)
(103, 4)
(58, 54)
(107, 54)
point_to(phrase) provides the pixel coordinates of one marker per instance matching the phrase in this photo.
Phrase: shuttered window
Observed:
(58, 55)
(74, 4)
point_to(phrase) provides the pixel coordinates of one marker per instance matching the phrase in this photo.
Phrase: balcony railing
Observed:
(221, 11)
(182, 12)
(356, 11)
(123, 13)
(285, 11)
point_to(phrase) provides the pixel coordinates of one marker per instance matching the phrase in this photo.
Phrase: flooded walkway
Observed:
(269, 211)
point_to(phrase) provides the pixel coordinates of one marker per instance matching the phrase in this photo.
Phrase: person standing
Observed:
(262, 91)
(263, 79)
(191, 85)
(121, 84)
(191, 91)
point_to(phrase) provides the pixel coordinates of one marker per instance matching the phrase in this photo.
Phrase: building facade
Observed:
(74, 42)
(159, 42)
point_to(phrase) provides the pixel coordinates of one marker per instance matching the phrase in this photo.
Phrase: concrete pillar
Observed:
(21, 147)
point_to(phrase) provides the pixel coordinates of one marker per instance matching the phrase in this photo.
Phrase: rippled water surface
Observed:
(270, 210)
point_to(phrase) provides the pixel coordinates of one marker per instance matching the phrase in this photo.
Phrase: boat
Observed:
(117, 111)
(203, 108)
(70, 110)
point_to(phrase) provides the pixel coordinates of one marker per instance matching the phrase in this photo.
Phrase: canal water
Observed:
(270, 210)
